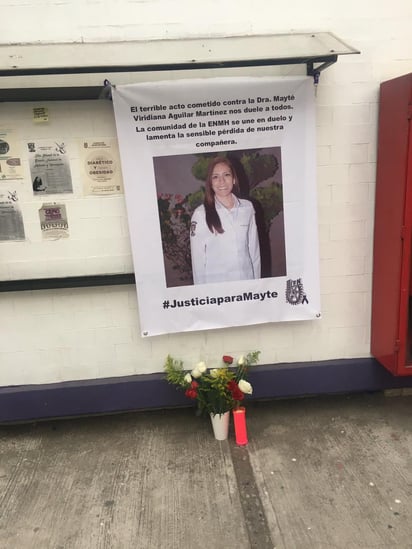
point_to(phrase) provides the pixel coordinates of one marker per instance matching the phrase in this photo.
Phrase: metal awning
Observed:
(21, 65)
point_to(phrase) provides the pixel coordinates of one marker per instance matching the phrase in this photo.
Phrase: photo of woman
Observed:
(224, 240)
(221, 216)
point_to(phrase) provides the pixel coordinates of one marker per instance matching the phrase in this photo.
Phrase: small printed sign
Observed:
(40, 115)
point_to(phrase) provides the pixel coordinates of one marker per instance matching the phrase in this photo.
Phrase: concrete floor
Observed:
(321, 473)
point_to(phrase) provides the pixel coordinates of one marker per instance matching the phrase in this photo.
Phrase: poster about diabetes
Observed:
(219, 178)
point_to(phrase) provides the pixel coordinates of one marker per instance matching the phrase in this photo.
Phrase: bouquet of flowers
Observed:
(216, 390)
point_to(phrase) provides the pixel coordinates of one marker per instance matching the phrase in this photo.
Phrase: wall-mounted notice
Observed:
(219, 179)
(40, 115)
(49, 167)
(53, 221)
(11, 220)
(101, 167)
(10, 157)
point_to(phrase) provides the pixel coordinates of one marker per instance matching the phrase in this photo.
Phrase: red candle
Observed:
(239, 418)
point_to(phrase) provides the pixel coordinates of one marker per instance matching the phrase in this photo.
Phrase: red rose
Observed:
(237, 394)
(232, 385)
(191, 393)
(234, 390)
(194, 384)
(227, 359)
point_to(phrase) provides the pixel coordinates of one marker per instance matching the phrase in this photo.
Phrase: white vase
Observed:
(220, 424)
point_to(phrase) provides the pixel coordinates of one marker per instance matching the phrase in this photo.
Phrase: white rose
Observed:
(214, 372)
(241, 360)
(188, 378)
(196, 373)
(201, 366)
(245, 387)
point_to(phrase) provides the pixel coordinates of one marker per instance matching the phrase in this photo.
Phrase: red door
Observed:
(391, 329)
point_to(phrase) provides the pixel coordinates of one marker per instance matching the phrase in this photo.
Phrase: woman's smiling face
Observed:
(222, 180)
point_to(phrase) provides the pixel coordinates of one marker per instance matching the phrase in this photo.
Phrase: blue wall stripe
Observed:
(142, 392)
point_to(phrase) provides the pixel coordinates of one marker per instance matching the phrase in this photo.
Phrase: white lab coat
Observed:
(231, 255)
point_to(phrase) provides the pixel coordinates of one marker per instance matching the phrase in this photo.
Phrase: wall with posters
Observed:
(92, 333)
(63, 205)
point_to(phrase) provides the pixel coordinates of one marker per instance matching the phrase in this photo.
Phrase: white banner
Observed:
(220, 188)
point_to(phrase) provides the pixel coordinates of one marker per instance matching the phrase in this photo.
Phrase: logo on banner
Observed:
(295, 294)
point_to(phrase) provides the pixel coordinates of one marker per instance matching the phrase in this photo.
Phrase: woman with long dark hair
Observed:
(223, 235)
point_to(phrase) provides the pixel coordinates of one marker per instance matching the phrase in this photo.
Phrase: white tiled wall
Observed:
(49, 336)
